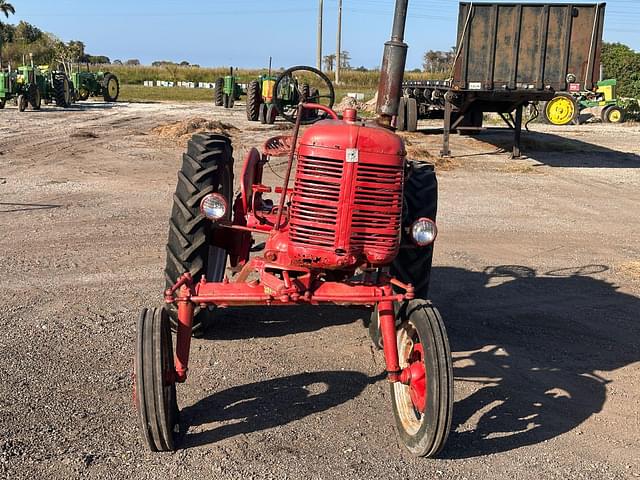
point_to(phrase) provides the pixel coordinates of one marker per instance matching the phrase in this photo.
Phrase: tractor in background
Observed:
(57, 87)
(351, 224)
(227, 90)
(269, 96)
(565, 107)
(95, 84)
(32, 85)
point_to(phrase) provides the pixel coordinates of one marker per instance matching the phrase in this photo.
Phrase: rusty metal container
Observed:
(528, 46)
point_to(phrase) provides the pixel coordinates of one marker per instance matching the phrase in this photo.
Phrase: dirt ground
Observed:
(537, 274)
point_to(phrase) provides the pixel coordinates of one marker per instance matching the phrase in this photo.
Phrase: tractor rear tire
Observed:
(22, 103)
(218, 99)
(110, 88)
(62, 91)
(413, 264)
(207, 167)
(254, 100)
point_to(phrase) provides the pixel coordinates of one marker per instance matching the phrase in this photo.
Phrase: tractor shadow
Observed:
(527, 351)
(263, 322)
(270, 403)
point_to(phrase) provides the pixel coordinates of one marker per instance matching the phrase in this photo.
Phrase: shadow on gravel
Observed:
(532, 344)
(261, 322)
(24, 207)
(270, 403)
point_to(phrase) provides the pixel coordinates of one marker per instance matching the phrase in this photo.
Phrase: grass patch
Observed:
(139, 93)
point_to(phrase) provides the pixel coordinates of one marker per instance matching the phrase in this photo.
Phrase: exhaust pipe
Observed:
(393, 65)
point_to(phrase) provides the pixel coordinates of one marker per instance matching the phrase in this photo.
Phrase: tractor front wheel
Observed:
(110, 88)
(613, 114)
(271, 115)
(36, 99)
(423, 408)
(155, 388)
(254, 100)
(262, 113)
(3, 102)
(23, 102)
(207, 167)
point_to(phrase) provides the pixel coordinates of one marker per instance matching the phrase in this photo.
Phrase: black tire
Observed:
(412, 115)
(36, 99)
(271, 114)
(231, 101)
(218, 99)
(262, 113)
(82, 95)
(225, 100)
(110, 88)
(207, 167)
(3, 102)
(22, 103)
(62, 90)
(155, 389)
(413, 264)
(422, 337)
(401, 118)
(254, 100)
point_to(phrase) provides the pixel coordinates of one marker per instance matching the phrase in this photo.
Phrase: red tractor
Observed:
(356, 226)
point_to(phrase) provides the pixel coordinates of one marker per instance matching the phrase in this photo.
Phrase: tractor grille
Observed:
(314, 207)
(368, 224)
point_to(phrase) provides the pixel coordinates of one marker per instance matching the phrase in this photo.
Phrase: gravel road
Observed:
(537, 275)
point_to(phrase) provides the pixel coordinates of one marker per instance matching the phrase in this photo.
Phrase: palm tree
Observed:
(6, 8)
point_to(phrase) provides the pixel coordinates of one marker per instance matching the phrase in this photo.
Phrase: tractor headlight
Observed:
(424, 232)
(214, 206)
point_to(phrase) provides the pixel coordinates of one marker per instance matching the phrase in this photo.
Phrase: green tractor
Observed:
(227, 90)
(24, 86)
(99, 84)
(565, 107)
(56, 87)
(268, 97)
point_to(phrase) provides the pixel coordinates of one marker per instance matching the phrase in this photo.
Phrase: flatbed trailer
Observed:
(509, 55)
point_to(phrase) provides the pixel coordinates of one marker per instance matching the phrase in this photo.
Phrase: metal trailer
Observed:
(509, 55)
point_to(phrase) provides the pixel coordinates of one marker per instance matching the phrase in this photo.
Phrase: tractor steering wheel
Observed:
(303, 84)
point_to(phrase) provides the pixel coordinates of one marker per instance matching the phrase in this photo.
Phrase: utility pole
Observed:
(319, 50)
(339, 43)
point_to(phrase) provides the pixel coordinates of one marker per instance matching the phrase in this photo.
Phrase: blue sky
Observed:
(245, 33)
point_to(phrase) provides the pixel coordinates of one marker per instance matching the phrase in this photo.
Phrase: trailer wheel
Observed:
(206, 167)
(218, 92)
(423, 409)
(613, 114)
(412, 115)
(62, 90)
(155, 388)
(271, 114)
(401, 118)
(254, 100)
(22, 103)
(561, 109)
(110, 88)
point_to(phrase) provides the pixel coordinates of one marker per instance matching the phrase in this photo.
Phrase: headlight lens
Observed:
(424, 232)
(214, 206)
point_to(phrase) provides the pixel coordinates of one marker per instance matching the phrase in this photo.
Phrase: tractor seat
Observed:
(279, 146)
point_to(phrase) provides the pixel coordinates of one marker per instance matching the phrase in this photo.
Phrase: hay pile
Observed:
(183, 130)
